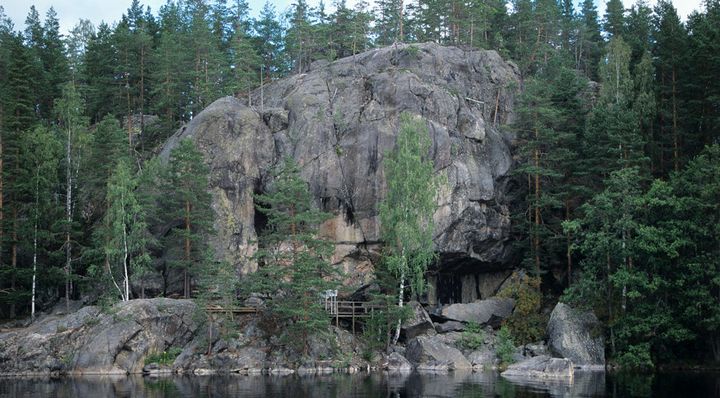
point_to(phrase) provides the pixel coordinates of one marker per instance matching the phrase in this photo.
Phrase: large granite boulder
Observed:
(576, 335)
(484, 312)
(543, 367)
(430, 353)
(90, 341)
(418, 323)
(396, 363)
(338, 121)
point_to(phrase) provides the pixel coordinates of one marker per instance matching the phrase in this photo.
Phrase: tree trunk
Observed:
(68, 217)
(186, 276)
(536, 233)
(568, 243)
(35, 243)
(400, 305)
(676, 139)
(142, 96)
(126, 284)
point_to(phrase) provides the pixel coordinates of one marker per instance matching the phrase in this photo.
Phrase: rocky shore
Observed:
(168, 336)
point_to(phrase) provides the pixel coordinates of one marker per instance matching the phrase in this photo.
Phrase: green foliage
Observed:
(165, 358)
(526, 324)
(473, 337)
(406, 212)
(636, 357)
(504, 346)
(293, 262)
(185, 198)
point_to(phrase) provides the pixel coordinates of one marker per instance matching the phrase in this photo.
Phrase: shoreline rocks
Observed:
(576, 335)
(542, 367)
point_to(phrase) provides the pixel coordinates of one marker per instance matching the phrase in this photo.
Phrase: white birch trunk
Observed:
(68, 218)
(125, 252)
(35, 240)
(401, 294)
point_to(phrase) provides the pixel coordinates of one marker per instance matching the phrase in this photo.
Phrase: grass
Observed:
(164, 358)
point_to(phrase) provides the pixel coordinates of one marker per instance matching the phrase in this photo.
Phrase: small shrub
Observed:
(473, 337)
(636, 357)
(526, 324)
(505, 347)
(164, 358)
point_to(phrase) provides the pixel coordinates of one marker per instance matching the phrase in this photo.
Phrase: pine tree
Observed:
(406, 213)
(54, 61)
(669, 53)
(591, 41)
(169, 75)
(186, 201)
(294, 269)
(614, 21)
(269, 43)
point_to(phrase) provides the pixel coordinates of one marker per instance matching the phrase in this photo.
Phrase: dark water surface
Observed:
(485, 384)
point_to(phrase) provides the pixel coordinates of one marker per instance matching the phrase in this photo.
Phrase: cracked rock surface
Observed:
(91, 341)
(339, 120)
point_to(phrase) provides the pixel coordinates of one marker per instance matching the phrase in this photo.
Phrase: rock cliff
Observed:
(339, 121)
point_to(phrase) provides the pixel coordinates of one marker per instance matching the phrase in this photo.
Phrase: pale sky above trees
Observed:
(70, 11)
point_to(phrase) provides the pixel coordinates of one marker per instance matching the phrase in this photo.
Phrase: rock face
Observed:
(89, 341)
(397, 363)
(542, 367)
(339, 120)
(576, 335)
(430, 353)
(485, 312)
(418, 323)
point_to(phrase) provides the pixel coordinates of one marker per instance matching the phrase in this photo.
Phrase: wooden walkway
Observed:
(336, 309)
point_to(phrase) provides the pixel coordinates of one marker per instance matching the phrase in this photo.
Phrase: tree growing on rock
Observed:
(294, 269)
(407, 210)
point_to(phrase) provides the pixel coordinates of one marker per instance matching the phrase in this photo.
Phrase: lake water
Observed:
(484, 384)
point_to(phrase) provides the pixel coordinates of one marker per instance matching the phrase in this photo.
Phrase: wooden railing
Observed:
(336, 309)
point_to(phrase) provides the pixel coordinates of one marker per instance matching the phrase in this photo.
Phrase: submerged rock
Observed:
(542, 367)
(576, 335)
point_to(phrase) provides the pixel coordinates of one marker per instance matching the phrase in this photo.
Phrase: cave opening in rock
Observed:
(260, 220)
(461, 279)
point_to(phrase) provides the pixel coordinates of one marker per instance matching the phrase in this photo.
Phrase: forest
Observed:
(616, 134)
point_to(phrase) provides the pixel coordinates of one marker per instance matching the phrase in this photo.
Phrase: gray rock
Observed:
(483, 359)
(449, 326)
(430, 353)
(244, 360)
(89, 341)
(577, 336)
(542, 367)
(397, 363)
(339, 120)
(485, 312)
(534, 350)
(418, 323)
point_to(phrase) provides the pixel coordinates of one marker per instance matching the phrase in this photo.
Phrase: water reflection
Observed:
(457, 384)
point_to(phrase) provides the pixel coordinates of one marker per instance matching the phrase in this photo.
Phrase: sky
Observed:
(70, 11)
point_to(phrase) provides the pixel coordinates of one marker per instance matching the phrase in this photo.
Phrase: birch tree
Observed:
(407, 210)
